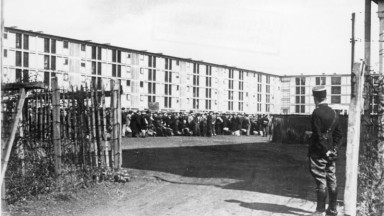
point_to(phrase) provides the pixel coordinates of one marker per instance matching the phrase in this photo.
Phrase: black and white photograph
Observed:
(192, 107)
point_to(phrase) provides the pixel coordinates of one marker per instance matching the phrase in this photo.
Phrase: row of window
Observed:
(22, 41)
(319, 81)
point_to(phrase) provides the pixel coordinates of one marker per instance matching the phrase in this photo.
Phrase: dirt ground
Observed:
(221, 175)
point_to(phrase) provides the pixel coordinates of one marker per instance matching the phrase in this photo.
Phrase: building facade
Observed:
(172, 83)
(297, 92)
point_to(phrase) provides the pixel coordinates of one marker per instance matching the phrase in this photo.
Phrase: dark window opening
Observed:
(65, 44)
(99, 83)
(94, 68)
(113, 70)
(18, 75)
(53, 46)
(336, 90)
(99, 68)
(46, 62)
(53, 62)
(93, 52)
(114, 56)
(149, 61)
(18, 40)
(25, 76)
(18, 58)
(26, 42)
(335, 80)
(320, 81)
(99, 53)
(46, 78)
(119, 56)
(46, 45)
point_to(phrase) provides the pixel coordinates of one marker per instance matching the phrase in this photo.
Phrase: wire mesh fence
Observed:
(64, 137)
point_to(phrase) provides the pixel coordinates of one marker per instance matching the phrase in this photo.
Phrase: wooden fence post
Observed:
(353, 142)
(6, 151)
(75, 126)
(105, 146)
(82, 125)
(89, 121)
(119, 125)
(56, 125)
(113, 124)
(93, 119)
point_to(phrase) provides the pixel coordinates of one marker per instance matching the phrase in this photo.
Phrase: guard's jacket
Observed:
(321, 121)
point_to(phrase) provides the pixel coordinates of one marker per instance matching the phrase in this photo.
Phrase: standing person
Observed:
(123, 122)
(322, 152)
(271, 128)
(247, 125)
(128, 128)
(135, 124)
(196, 125)
(226, 124)
(210, 124)
(143, 125)
(203, 125)
(265, 124)
(214, 119)
(219, 125)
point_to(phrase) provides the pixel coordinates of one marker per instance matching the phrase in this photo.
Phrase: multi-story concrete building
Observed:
(297, 92)
(176, 84)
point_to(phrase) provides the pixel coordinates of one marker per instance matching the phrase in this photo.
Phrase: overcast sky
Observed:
(273, 36)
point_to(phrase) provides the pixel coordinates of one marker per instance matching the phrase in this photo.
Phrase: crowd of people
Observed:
(146, 123)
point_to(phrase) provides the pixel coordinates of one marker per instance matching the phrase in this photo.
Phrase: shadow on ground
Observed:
(261, 167)
(268, 207)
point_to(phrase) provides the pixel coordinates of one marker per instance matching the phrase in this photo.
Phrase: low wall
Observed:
(291, 129)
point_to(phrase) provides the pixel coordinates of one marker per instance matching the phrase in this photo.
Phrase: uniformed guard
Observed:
(322, 152)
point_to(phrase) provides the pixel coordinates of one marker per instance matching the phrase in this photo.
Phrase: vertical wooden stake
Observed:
(6, 150)
(98, 125)
(113, 122)
(353, 142)
(41, 123)
(82, 125)
(106, 146)
(119, 125)
(93, 117)
(89, 116)
(56, 125)
(75, 128)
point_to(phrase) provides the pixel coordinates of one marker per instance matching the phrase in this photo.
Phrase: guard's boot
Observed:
(332, 206)
(321, 197)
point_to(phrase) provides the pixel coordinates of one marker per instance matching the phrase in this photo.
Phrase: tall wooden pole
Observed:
(2, 200)
(380, 136)
(119, 150)
(353, 42)
(6, 147)
(56, 125)
(353, 133)
(353, 142)
(367, 59)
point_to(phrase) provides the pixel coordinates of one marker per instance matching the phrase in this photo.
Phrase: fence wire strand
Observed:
(31, 167)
